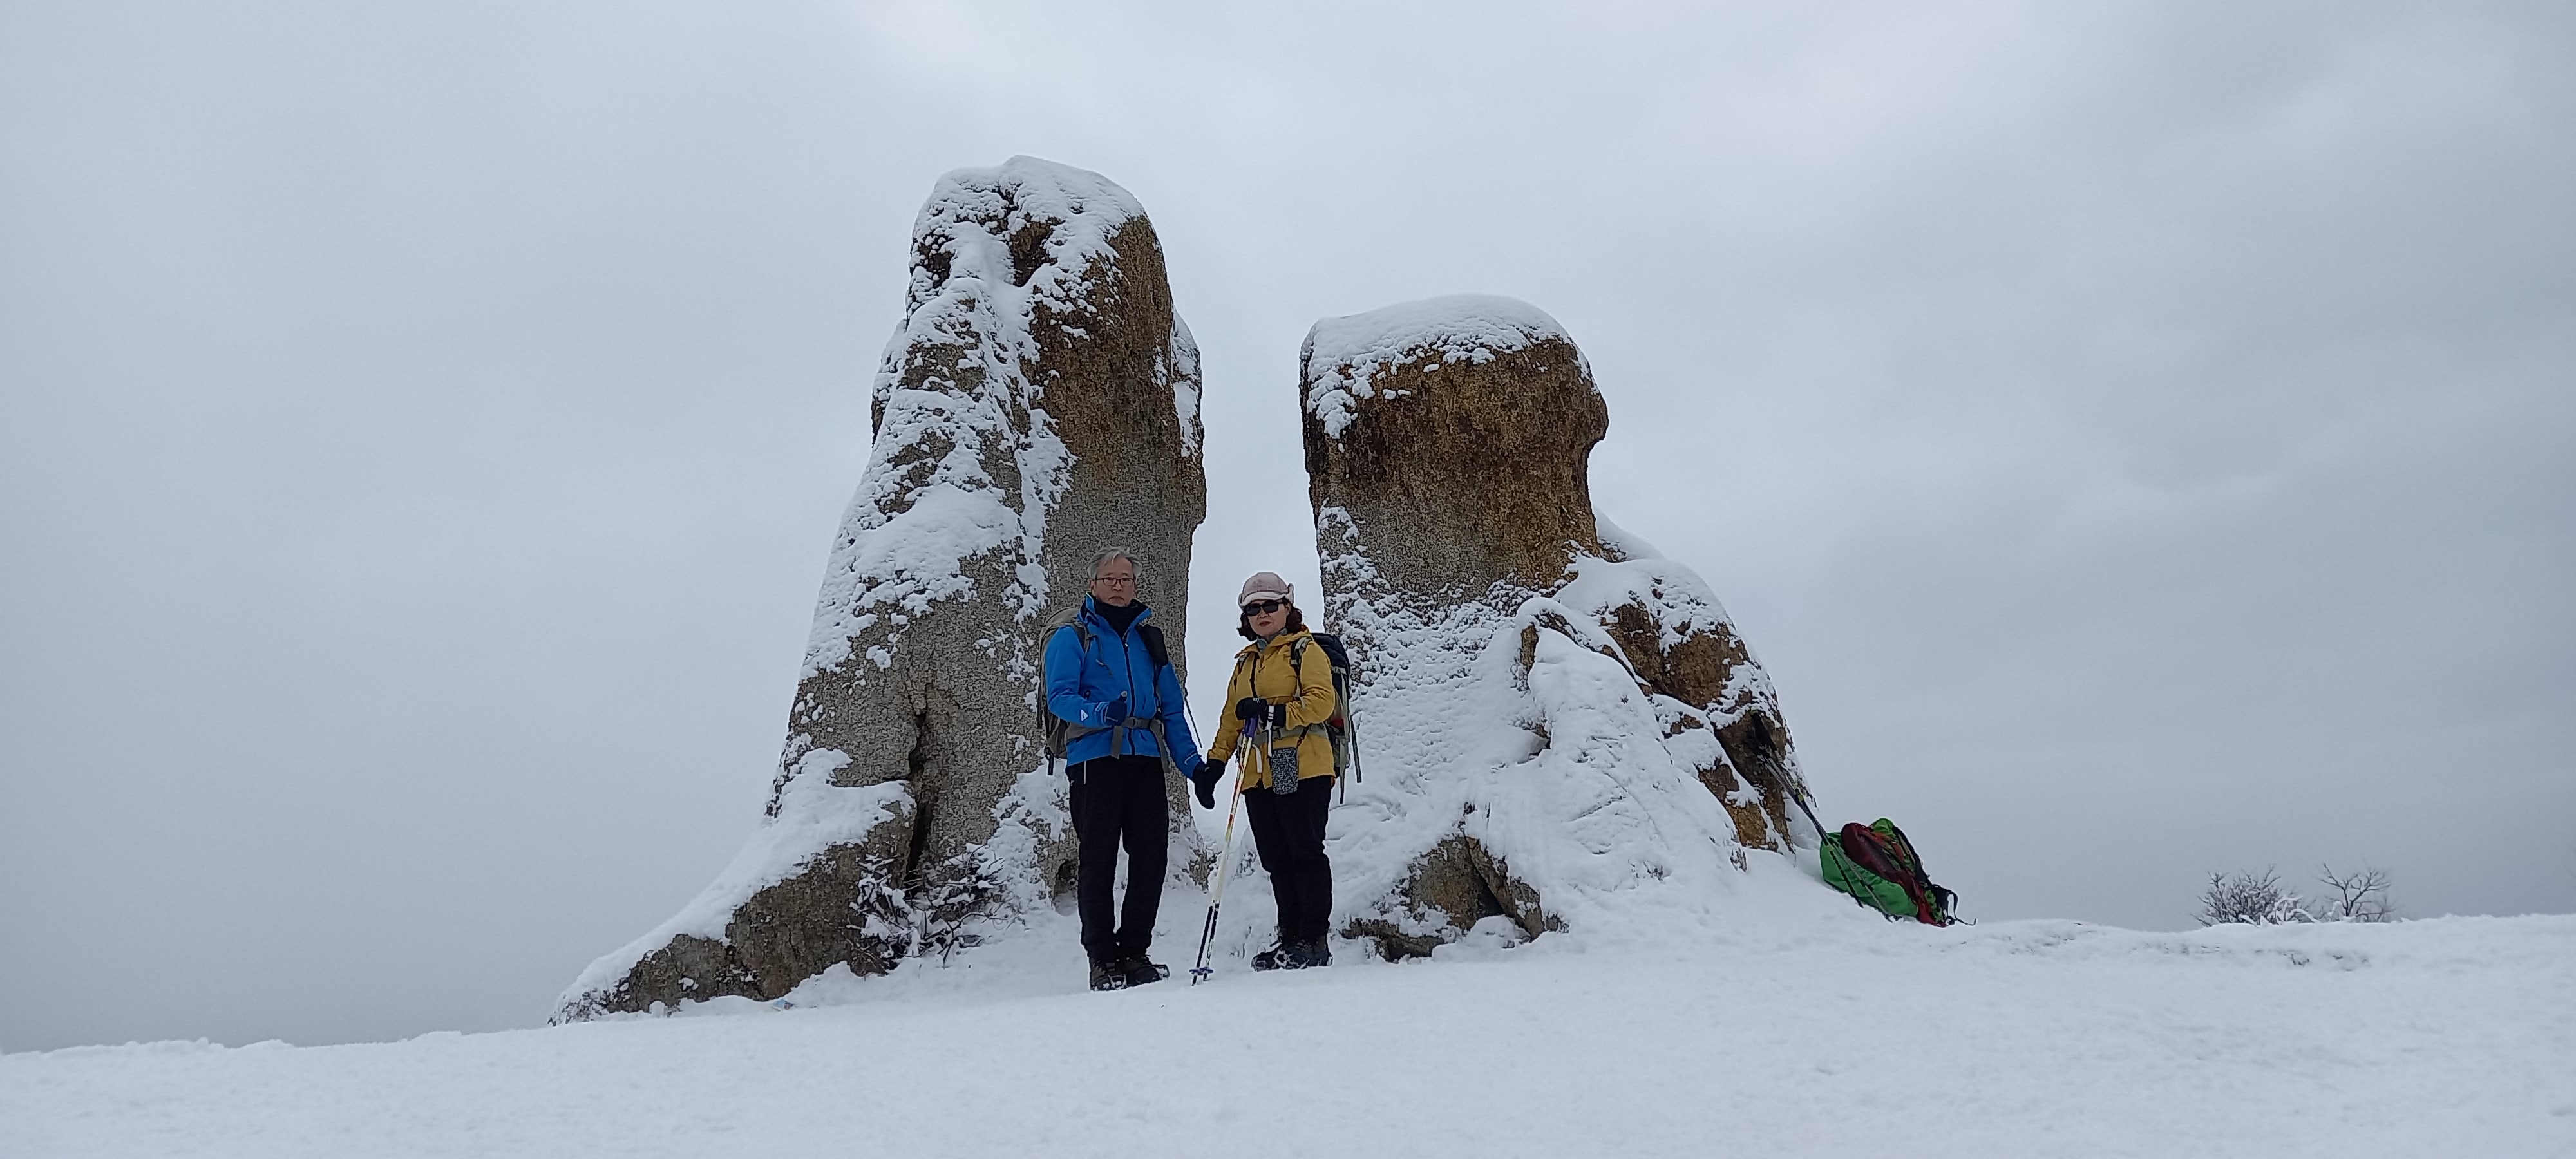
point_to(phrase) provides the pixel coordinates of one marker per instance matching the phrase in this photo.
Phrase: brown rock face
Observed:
(1708, 668)
(1456, 884)
(1479, 469)
(1447, 451)
(1038, 403)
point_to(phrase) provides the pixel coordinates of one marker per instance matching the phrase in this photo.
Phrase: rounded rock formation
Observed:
(1551, 713)
(1460, 430)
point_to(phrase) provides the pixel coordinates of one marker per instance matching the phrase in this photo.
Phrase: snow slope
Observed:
(1812, 1029)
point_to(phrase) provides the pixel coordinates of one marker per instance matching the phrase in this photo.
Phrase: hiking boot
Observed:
(1106, 975)
(1269, 959)
(1305, 955)
(1141, 971)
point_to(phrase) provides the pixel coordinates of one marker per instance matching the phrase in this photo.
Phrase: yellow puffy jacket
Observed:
(1266, 669)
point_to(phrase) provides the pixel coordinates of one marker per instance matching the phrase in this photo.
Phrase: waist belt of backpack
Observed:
(1152, 726)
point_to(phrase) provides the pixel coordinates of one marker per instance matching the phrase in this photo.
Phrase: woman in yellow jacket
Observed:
(1282, 692)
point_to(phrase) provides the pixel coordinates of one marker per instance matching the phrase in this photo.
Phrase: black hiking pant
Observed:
(1119, 800)
(1288, 831)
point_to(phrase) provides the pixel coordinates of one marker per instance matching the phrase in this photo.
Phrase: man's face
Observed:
(1116, 586)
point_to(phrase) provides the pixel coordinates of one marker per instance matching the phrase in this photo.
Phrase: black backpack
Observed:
(1345, 754)
(1346, 748)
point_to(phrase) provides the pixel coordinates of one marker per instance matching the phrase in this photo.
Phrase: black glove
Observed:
(1115, 713)
(1204, 778)
(1278, 717)
(1248, 709)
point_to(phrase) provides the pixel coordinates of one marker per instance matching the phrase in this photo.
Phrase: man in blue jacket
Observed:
(1110, 678)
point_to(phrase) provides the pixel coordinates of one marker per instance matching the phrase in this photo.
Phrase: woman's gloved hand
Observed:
(1248, 709)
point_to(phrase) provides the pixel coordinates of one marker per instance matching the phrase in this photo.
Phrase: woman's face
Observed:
(1267, 623)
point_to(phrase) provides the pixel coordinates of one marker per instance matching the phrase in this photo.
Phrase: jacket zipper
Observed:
(1127, 660)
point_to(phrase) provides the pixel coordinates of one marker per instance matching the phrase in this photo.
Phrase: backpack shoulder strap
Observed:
(1070, 618)
(1046, 635)
(1155, 648)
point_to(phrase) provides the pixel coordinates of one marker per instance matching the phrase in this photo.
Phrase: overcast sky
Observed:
(2139, 440)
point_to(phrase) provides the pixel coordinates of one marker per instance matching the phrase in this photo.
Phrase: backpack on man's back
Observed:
(1061, 733)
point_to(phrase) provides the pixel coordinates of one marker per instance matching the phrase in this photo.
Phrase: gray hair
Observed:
(1109, 553)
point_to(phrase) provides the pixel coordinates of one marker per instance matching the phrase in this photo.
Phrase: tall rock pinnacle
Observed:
(1039, 401)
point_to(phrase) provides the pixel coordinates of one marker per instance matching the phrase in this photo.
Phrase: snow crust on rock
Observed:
(1518, 661)
(1681, 604)
(1518, 723)
(909, 530)
(1184, 381)
(1342, 354)
(815, 815)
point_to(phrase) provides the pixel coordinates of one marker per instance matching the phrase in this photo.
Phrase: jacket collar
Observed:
(1091, 611)
(1253, 648)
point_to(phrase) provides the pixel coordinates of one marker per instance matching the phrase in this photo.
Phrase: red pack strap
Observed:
(1870, 850)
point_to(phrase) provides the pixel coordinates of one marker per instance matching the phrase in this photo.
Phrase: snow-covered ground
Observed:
(1809, 1028)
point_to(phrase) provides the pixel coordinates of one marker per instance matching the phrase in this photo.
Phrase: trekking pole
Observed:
(1216, 897)
(1801, 802)
(1352, 717)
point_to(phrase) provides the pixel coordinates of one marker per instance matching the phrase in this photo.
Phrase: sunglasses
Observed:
(1263, 607)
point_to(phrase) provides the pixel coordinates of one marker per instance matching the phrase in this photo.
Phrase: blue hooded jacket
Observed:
(1082, 683)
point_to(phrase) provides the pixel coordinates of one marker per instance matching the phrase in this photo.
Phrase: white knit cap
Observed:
(1265, 585)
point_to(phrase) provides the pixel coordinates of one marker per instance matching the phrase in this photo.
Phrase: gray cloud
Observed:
(2136, 438)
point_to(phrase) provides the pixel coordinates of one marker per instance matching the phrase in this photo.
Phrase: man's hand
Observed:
(1115, 713)
(1204, 778)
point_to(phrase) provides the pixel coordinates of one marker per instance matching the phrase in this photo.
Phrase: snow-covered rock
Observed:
(1554, 719)
(1039, 401)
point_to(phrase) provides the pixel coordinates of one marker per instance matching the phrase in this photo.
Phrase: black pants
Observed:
(1120, 800)
(1288, 830)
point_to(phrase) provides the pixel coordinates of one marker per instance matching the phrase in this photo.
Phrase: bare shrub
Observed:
(2251, 898)
(2361, 895)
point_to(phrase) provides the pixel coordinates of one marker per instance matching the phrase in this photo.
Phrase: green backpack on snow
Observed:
(1877, 866)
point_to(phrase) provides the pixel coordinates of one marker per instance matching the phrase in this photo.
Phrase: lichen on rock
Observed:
(1038, 401)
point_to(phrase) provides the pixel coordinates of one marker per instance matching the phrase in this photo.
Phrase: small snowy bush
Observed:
(2359, 896)
(2250, 898)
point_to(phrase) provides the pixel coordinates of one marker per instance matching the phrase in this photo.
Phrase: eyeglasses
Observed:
(1115, 580)
(1263, 607)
